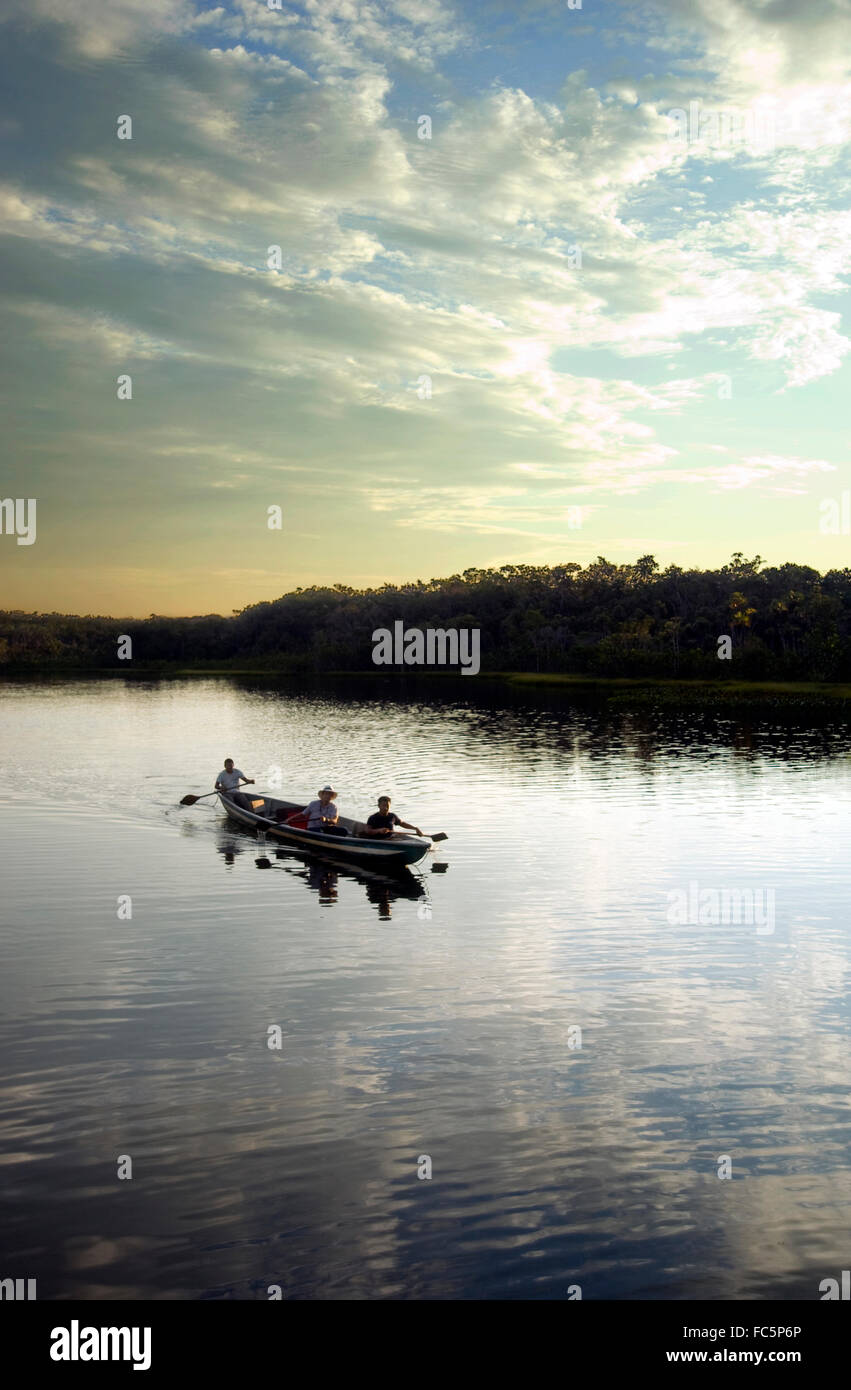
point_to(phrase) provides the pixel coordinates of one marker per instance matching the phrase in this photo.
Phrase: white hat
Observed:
(327, 788)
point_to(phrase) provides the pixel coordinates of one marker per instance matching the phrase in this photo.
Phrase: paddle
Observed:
(190, 800)
(276, 825)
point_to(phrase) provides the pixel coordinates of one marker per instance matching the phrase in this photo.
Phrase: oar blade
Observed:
(189, 800)
(439, 836)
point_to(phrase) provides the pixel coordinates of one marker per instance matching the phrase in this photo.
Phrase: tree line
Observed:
(783, 622)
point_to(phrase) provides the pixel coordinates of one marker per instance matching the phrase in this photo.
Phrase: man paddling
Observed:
(228, 781)
(383, 821)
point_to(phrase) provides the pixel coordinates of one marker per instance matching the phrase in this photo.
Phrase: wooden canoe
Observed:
(394, 852)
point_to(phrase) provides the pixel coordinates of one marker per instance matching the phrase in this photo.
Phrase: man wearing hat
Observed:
(323, 815)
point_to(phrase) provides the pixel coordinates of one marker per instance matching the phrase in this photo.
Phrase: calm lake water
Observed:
(435, 1015)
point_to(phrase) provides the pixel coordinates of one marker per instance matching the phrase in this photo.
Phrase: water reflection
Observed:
(323, 876)
(324, 880)
(450, 1032)
(229, 848)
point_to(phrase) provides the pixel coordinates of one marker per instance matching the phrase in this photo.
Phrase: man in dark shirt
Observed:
(382, 821)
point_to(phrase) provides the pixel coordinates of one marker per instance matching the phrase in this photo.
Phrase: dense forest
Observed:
(788, 622)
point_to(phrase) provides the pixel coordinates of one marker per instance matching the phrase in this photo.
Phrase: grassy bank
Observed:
(622, 690)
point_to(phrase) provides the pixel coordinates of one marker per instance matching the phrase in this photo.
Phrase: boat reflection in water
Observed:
(322, 877)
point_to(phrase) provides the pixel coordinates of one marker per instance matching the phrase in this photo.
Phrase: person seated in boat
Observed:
(323, 815)
(228, 782)
(383, 821)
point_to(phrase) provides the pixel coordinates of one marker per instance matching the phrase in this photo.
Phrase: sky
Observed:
(450, 285)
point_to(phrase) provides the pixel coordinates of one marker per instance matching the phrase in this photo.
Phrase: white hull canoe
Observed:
(385, 855)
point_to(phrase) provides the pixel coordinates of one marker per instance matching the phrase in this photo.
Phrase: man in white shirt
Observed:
(323, 815)
(228, 781)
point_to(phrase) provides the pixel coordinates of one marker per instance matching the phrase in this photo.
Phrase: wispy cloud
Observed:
(550, 300)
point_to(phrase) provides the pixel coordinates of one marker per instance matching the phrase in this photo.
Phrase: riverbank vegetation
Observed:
(787, 623)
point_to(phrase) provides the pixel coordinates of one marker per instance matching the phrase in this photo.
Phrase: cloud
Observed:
(102, 29)
(545, 259)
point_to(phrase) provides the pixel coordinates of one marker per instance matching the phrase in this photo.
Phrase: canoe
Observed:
(391, 853)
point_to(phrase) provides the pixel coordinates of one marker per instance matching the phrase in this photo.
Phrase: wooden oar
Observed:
(441, 835)
(276, 825)
(190, 800)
